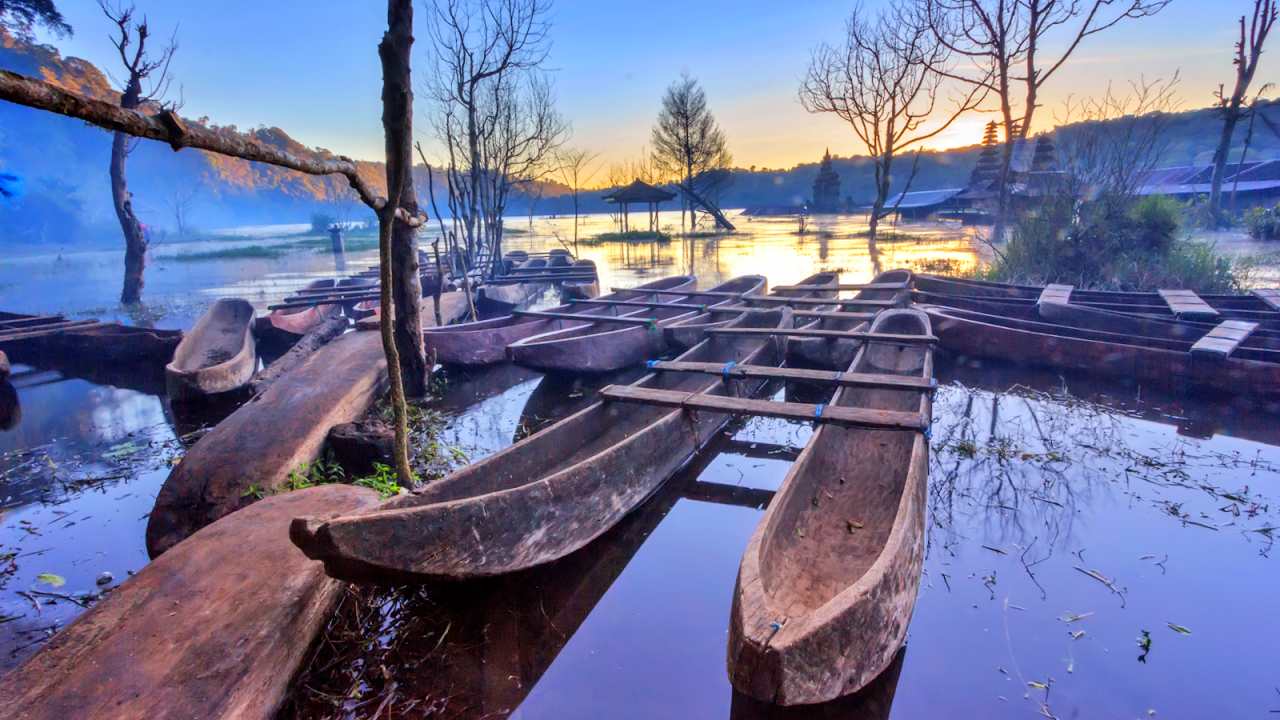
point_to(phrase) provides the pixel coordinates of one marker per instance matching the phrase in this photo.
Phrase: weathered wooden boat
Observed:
(484, 342)
(690, 331)
(218, 354)
(581, 289)
(547, 495)
(1221, 360)
(1261, 306)
(606, 346)
(45, 341)
(839, 352)
(505, 296)
(299, 321)
(828, 582)
(1087, 317)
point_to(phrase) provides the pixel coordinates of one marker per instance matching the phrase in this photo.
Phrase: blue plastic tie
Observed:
(928, 432)
(727, 367)
(651, 364)
(817, 410)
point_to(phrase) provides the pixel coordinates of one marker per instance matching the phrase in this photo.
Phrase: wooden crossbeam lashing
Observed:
(1223, 340)
(824, 377)
(1270, 296)
(844, 286)
(833, 334)
(857, 417)
(1055, 295)
(1186, 303)
(622, 320)
(638, 304)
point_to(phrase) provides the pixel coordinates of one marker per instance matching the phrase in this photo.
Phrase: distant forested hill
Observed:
(65, 196)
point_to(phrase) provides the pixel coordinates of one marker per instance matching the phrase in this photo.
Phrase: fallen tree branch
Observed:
(179, 133)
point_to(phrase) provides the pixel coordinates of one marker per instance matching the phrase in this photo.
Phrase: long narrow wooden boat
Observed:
(1125, 325)
(548, 494)
(500, 298)
(1256, 307)
(102, 345)
(218, 354)
(690, 331)
(1167, 363)
(829, 579)
(484, 342)
(832, 353)
(581, 289)
(300, 321)
(599, 347)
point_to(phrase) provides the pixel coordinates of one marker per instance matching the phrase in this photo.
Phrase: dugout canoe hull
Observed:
(217, 356)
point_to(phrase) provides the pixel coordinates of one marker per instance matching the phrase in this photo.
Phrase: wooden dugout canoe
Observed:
(1238, 307)
(581, 289)
(507, 296)
(600, 347)
(828, 582)
(1168, 364)
(1125, 325)
(484, 342)
(690, 331)
(300, 321)
(548, 494)
(834, 353)
(218, 354)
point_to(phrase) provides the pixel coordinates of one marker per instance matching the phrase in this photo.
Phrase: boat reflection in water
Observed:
(10, 408)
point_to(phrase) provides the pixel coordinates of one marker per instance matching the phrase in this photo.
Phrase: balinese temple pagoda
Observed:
(638, 192)
(826, 187)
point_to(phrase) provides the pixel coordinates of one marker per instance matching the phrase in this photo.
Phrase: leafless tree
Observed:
(575, 171)
(1248, 51)
(1253, 114)
(1002, 45)
(477, 49)
(1108, 145)
(885, 81)
(687, 141)
(181, 200)
(140, 67)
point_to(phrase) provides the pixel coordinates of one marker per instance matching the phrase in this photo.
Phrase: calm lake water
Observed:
(1068, 519)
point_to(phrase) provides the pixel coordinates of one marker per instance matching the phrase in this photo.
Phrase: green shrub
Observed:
(1263, 223)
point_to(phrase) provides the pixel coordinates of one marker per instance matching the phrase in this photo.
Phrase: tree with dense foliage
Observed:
(1248, 51)
(141, 66)
(21, 17)
(1001, 45)
(884, 81)
(688, 144)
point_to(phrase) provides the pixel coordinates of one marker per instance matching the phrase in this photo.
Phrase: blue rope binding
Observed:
(727, 367)
(817, 410)
(651, 364)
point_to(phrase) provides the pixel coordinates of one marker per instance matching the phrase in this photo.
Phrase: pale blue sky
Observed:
(312, 69)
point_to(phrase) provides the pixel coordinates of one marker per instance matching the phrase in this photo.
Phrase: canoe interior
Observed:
(593, 429)
(218, 337)
(842, 498)
(964, 286)
(837, 354)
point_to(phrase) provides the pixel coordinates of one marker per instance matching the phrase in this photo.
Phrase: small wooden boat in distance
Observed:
(548, 494)
(218, 355)
(302, 320)
(828, 581)
(690, 331)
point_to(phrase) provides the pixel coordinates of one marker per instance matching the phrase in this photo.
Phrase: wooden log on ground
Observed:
(216, 628)
(301, 350)
(260, 444)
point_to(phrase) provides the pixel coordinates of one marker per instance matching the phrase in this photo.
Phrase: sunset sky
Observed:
(311, 67)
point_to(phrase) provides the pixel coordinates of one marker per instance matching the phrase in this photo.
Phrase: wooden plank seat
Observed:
(1186, 303)
(1055, 295)
(857, 417)
(1270, 296)
(1223, 340)
(826, 377)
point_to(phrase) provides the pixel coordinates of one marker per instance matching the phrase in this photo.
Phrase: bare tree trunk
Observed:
(1231, 116)
(397, 120)
(135, 242)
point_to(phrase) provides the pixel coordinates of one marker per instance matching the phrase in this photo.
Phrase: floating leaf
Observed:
(1073, 617)
(1037, 685)
(51, 579)
(1076, 634)
(1179, 629)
